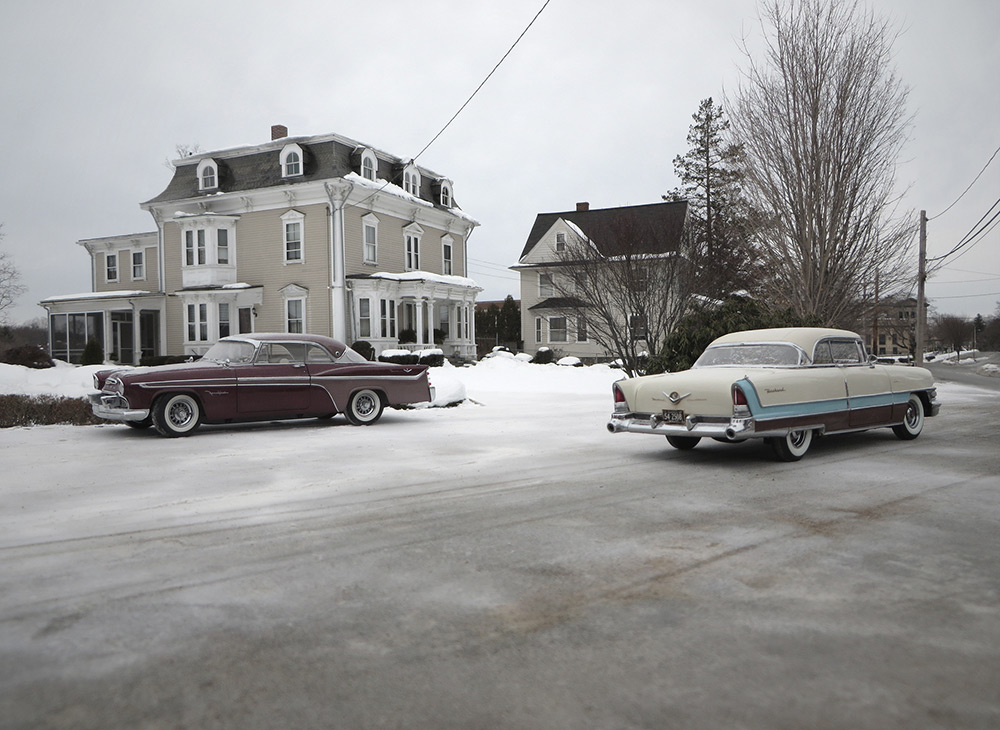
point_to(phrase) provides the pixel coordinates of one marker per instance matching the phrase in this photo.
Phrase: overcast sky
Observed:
(592, 105)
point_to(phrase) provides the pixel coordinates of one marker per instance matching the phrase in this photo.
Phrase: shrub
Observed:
(45, 410)
(93, 353)
(365, 349)
(544, 356)
(29, 356)
(409, 358)
(407, 336)
(432, 358)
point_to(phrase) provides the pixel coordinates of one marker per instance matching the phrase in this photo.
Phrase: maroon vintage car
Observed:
(258, 377)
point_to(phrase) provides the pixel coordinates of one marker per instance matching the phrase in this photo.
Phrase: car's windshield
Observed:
(230, 351)
(767, 354)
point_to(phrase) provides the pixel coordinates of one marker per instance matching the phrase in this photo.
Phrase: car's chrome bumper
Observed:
(115, 408)
(732, 429)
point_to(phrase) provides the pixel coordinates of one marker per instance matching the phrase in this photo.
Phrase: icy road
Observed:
(505, 564)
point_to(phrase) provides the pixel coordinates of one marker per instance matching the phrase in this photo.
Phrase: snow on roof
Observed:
(384, 186)
(461, 281)
(100, 295)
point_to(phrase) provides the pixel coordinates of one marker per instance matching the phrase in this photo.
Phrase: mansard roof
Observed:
(651, 229)
(258, 167)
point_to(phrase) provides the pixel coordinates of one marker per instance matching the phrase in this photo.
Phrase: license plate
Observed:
(673, 416)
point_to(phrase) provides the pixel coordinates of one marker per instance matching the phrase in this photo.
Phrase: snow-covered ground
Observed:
(502, 374)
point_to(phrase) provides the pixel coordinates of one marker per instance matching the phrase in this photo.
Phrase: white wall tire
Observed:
(792, 446)
(364, 407)
(913, 420)
(176, 415)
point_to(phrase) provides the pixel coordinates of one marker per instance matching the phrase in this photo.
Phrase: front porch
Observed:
(414, 311)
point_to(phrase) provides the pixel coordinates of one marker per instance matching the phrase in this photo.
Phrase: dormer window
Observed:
(208, 175)
(446, 195)
(369, 165)
(411, 180)
(291, 161)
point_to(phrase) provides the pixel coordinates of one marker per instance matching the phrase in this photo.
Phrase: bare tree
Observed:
(954, 331)
(629, 285)
(10, 278)
(821, 121)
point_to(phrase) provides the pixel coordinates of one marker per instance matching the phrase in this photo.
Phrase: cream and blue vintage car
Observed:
(783, 385)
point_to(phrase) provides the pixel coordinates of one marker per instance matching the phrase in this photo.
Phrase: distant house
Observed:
(554, 314)
(319, 234)
(892, 329)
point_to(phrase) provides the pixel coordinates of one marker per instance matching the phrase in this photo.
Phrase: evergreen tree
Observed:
(510, 320)
(711, 183)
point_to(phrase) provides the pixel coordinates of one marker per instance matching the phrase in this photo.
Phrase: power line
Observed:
(970, 296)
(970, 185)
(483, 83)
(968, 238)
(471, 97)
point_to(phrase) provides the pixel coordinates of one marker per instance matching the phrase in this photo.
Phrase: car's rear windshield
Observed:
(767, 354)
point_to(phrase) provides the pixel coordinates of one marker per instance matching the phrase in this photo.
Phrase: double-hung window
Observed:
(197, 322)
(111, 267)
(292, 223)
(222, 246)
(546, 285)
(189, 247)
(538, 330)
(412, 235)
(295, 318)
(138, 266)
(365, 317)
(202, 248)
(224, 327)
(388, 317)
(557, 329)
(370, 227)
(446, 255)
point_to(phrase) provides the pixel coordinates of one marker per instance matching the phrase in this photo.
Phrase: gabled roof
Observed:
(656, 227)
(256, 167)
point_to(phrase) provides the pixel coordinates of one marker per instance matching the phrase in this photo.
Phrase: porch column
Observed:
(419, 307)
(431, 321)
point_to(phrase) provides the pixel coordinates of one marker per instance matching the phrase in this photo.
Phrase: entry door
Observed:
(122, 338)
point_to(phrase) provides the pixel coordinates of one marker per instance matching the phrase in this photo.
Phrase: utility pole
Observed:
(918, 358)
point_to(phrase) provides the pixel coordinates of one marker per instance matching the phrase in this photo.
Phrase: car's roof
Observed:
(327, 342)
(804, 337)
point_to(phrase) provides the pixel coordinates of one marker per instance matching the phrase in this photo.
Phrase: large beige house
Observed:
(318, 234)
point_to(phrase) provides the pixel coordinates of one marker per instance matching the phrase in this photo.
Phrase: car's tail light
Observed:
(620, 405)
(741, 409)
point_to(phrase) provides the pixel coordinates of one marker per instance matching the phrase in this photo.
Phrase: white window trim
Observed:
(565, 329)
(107, 257)
(362, 319)
(369, 221)
(201, 325)
(142, 264)
(202, 167)
(551, 286)
(447, 262)
(411, 180)
(290, 293)
(539, 331)
(415, 232)
(368, 156)
(447, 196)
(293, 216)
(285, 152)
(560, 244)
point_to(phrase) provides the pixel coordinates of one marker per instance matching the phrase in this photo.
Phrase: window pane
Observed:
(223, 319)
(222, 246)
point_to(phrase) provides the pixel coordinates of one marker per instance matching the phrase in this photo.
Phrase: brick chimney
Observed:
(278, 131)
(582, 207)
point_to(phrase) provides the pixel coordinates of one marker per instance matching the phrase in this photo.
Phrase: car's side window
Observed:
(822, 354)
(282, 353)
(316, 354)
(845, 352)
